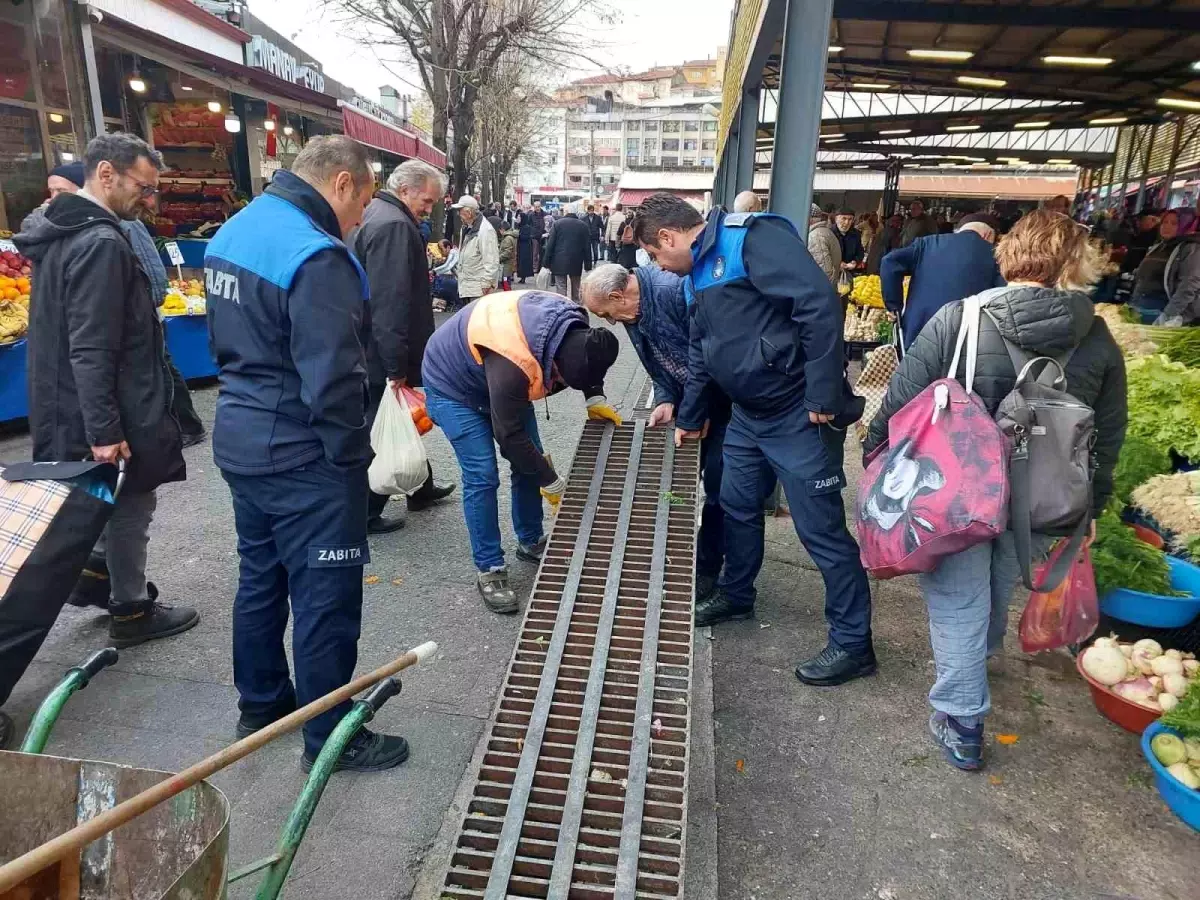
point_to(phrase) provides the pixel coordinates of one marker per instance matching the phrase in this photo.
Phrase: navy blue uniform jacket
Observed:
(766, 324)
(286, 316)
(945, 268)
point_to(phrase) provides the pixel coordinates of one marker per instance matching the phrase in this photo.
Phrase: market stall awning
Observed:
(366, 129)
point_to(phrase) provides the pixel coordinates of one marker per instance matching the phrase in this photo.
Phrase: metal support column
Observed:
(798, 117)
(747, 144)
(891, 188)
(1141, 194)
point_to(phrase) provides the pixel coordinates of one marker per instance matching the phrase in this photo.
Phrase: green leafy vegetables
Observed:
(1139, 461)
(1164, 405)
(1181, 345)
(1121, 560)
(1185, 717)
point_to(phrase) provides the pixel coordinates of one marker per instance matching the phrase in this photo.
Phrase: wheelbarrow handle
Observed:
(95, 663)
(382, 693)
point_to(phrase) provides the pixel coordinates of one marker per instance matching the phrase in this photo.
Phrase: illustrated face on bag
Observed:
(904, 480)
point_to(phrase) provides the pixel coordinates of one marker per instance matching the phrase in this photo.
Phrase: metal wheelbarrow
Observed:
(75, 829)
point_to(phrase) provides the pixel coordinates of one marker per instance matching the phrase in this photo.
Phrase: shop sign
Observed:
(262, 54)
(374, 109)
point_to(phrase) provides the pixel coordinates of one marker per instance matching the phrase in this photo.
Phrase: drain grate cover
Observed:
(582, 792)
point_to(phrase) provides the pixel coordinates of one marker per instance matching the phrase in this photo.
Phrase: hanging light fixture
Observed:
(214, 106)
(289, 130)
(232, 123)
(137, 83)
(56, 118)
(269, 125)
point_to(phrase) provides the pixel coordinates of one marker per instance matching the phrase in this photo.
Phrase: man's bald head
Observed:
(747, 202)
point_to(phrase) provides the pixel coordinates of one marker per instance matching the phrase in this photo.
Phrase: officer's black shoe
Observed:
(429, 493)
(92, 587)
(833, 665)
(496, 593)
(248, 724)
(532, 552)
(384, 524)
(705, 585)
(6, 731)
(366, 752)
(716, 608)
(153, 621)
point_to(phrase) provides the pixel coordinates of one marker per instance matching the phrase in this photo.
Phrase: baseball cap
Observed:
(465, 201)
(983, 218)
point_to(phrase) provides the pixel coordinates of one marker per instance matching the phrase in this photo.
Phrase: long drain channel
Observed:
(582, 792)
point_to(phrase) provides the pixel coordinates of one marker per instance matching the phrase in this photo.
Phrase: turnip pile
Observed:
(1142, 672)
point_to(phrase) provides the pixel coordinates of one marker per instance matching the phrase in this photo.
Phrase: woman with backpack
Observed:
(1044, 310)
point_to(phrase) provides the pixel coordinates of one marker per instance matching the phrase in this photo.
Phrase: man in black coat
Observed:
(595, 231)
(99, 382)
(568, 250)
(537, 223)
(392, 251)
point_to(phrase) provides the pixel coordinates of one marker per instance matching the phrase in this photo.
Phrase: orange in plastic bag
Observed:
(1066, 615)
(416, 403)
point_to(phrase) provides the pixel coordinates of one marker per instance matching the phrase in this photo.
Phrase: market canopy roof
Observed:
(1092, 63)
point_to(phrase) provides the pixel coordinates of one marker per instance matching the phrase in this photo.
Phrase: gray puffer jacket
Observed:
(1045, 321)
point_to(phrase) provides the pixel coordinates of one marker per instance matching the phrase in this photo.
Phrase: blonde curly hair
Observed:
(1050, 249)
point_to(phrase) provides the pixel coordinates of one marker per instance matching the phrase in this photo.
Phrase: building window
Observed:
(671, 127)
(631, 143)
(552, 159)
(670, 144)
(651, 126)
(691, 126)
(706, 161)
(574, 179)
(669, 161)
(689, 144)
(631, 159)
(688, 162)
(710, 126)
(635, 125)
(708, 145)
(651, 144)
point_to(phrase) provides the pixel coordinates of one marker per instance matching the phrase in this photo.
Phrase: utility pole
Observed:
(592, 160)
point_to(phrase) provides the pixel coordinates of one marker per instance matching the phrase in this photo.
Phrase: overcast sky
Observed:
(648, 34)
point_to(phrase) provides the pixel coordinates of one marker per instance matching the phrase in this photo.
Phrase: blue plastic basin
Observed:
(1155, 610)
(1182, 800)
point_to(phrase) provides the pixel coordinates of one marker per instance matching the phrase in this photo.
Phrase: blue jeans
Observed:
(710, 543)
(303, 534)
(807, 460)
(470, 434)
(968, 596)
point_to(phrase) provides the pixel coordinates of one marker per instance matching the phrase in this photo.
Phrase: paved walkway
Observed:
(838, 793)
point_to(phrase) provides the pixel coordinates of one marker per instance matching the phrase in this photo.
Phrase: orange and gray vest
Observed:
(525, 327)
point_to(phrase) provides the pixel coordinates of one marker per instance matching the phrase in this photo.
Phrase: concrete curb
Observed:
(700, 847)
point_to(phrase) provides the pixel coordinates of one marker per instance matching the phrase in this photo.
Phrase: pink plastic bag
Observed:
(1066, 615)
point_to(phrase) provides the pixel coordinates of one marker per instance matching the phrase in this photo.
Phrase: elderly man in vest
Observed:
(483, 369)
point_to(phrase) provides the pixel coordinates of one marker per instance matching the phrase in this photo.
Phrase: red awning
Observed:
(378, 134)
(635, 196)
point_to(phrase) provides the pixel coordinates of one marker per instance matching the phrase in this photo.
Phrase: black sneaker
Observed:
(92, 587)
(247, 725)
(366, 752)
(384, 524)
(153, 622)
(716, 608)
(429, 493)
(532, 552)
(6, 730)
(705, 585)
(833, 665)
(496, 593)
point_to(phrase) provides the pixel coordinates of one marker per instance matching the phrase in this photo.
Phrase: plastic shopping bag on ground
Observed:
(400, 465)
(543, 280)
(1065, 615)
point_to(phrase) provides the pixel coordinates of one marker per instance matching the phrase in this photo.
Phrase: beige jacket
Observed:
(826, 250)
(479, 261)
(616, 224)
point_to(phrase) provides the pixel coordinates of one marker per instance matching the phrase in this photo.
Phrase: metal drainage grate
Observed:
(583, 790)
(645, 400)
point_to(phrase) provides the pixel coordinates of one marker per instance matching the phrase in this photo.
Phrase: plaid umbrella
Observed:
(51, 515)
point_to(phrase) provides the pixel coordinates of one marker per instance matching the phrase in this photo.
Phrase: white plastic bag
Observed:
(543, 280)
(400, 465)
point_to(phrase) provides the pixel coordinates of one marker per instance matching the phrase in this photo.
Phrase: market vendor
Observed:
(483, 369)
(1168, 279)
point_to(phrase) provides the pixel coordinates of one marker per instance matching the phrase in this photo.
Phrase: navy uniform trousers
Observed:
(303, 534)
(807, 459)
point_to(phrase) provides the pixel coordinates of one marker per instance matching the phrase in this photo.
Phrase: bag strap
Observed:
(1023, 360)
(968, 337)
(1021, 486)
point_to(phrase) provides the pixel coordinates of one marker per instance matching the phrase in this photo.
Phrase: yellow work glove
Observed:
(552, 493)
(599, 410)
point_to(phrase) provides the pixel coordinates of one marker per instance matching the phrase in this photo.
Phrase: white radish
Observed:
(1104, 664)
(1175, 684)
(1166, 665)
(1127, 650)
(1174, 654)
(1157, 682)
(1167, 702)
(1191, 667)
(1149, 646)
(1183, 773)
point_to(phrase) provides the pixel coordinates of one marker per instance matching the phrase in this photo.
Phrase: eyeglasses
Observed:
(145, 190)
